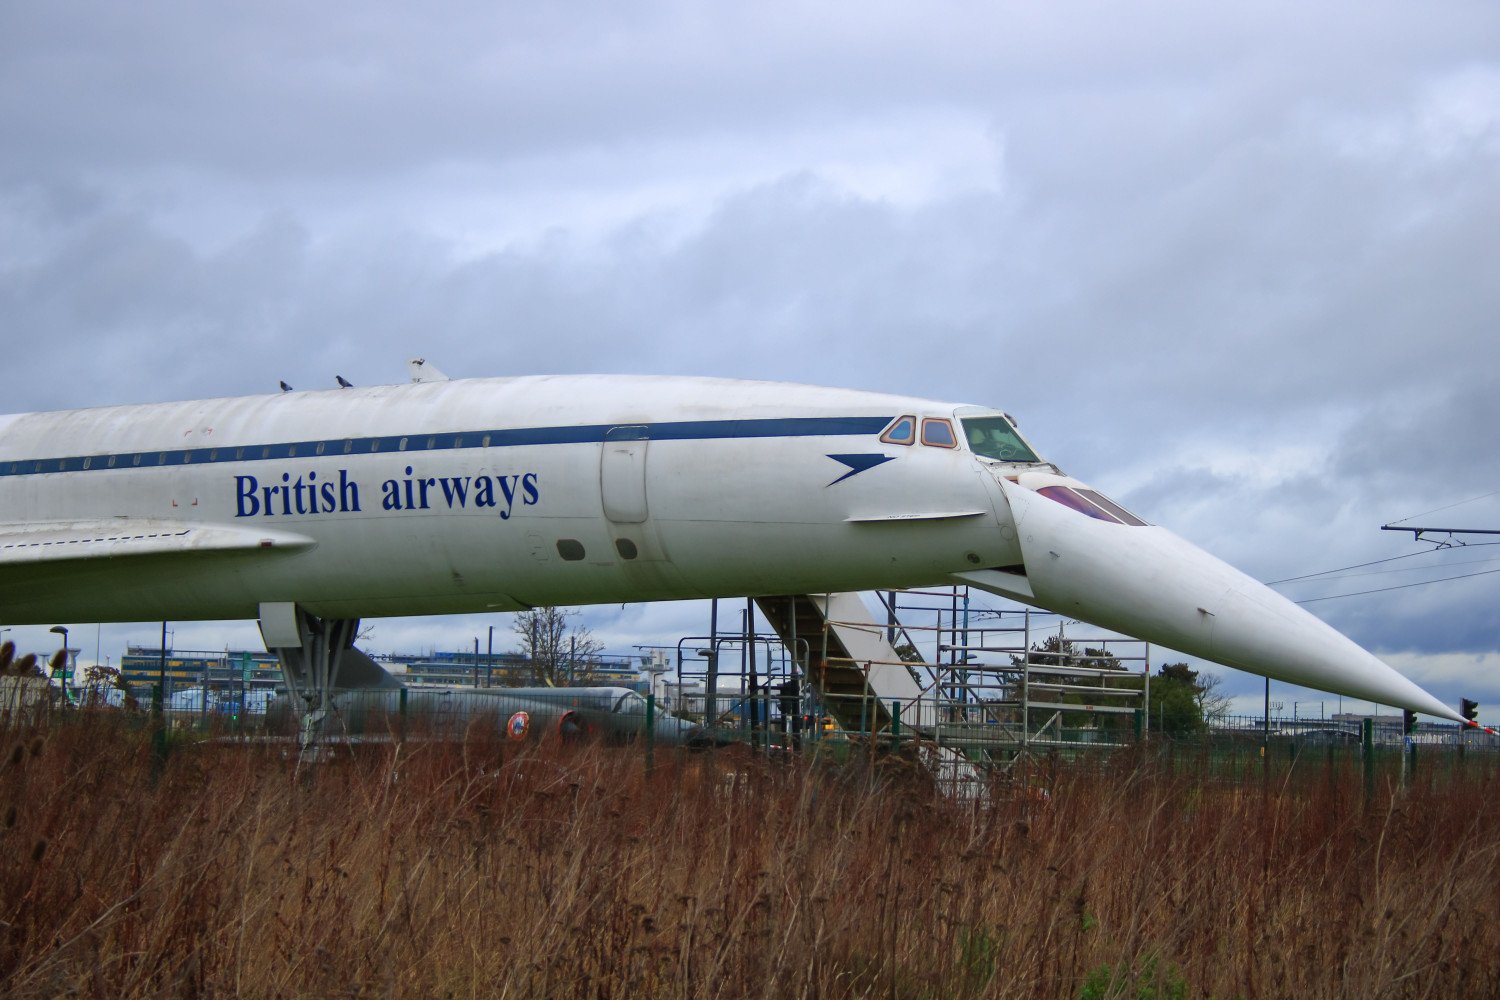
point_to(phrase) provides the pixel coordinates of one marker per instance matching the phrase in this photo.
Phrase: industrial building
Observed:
(233, 675)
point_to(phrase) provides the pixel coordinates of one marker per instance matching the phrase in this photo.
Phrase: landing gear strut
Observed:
(317, 657)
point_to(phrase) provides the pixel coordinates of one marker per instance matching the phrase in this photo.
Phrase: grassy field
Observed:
(470, 869)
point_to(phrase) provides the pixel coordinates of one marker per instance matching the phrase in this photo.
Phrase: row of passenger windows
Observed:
(936, 432)
(192, 455)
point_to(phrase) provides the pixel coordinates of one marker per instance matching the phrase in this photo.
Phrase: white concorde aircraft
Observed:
(309, 510)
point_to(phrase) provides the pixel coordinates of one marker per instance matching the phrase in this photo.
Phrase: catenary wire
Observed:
(1450, 506)
(1373, 562)
(1413, 569)
(1399, 586)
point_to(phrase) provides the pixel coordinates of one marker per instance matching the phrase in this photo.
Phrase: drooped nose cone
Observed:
(1144, 581)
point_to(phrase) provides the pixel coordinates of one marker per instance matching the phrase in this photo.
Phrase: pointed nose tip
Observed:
(1263, 632)
(1146, 582)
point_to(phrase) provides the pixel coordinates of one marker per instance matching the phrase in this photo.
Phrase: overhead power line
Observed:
(1410, 569)
(1372, 562)
(1482, 496)
(1399, 586)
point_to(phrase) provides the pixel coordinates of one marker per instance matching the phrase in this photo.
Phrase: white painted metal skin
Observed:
(498, 494)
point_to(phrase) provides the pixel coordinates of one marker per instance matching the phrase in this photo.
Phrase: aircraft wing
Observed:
(125, 537)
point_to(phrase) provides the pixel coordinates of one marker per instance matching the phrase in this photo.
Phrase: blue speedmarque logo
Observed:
(858, 464)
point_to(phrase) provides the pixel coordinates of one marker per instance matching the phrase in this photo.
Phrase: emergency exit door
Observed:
(622, 474)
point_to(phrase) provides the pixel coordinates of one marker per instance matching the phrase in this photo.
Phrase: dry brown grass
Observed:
(469, 870)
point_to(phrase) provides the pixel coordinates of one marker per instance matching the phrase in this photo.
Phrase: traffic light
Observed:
(1468, 709)
(1408, 721)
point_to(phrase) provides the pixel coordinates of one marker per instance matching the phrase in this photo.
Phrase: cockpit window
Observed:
(994, 437)
(903, 431)
(938, 433)
(630, 703)
(1110, 507)
(1092, 503)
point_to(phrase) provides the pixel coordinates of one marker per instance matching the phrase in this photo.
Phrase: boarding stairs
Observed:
(860, 677)
(848, 660)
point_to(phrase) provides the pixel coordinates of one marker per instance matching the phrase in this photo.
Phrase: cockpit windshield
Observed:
(630, 703)
(994, 437)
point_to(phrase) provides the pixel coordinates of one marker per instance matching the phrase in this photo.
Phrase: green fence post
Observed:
(159, 731)
(1367, 751)
(896, 721)
(650, 731)
(401, 702)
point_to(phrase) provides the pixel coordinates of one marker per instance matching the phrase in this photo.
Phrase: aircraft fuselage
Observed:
(492, 494)
(499, 494)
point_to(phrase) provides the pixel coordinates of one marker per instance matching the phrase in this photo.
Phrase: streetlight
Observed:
(62, 630)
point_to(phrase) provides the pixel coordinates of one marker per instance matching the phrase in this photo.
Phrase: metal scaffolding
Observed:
(980, 681)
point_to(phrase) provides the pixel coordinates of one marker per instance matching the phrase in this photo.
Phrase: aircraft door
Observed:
(622, 474)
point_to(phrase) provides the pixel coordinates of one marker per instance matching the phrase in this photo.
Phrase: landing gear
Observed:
(318, 658)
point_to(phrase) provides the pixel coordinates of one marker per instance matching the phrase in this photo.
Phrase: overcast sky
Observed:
(1237, 267)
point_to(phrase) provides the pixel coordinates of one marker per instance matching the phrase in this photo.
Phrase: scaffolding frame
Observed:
(985, 693)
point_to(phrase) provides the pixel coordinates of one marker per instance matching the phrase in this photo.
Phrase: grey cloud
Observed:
(286, 88)
(1430, 449)
(1209, 233)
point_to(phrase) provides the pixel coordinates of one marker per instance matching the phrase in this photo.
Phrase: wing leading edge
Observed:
(117, 538)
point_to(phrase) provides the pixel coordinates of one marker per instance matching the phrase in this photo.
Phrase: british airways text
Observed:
(308, 495)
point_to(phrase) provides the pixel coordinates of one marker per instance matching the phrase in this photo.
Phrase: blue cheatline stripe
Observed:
(507, 437)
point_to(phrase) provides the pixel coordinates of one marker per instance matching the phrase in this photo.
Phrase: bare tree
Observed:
(558, 650)
(1213, 703)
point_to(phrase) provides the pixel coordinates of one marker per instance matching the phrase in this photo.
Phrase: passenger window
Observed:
(903, 431)
(938, 433)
